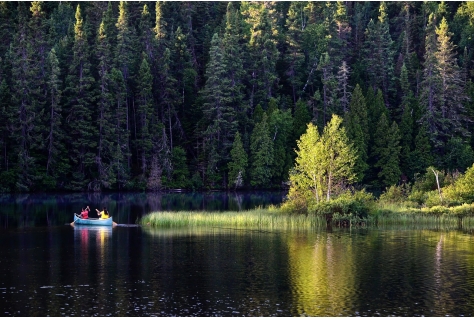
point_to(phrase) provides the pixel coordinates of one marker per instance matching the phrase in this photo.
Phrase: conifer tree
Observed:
(79, 96)
(217, 107)
(301, 118)
(281, 129)
(144, 114)
(356, 124)
(296, 23)
(55, 137)
(379, 54)
(121, 152)
(387, 152)
(24, 119)
(238, 163)
(261, 155)
(422, 156)
(233, 56)
(264, 54)
(105, 147)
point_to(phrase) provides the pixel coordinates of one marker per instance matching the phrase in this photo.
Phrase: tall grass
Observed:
(256, 219)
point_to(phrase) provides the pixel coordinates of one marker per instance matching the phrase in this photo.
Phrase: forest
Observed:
(102, 96)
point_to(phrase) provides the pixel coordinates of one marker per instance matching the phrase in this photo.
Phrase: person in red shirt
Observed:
(85, 213)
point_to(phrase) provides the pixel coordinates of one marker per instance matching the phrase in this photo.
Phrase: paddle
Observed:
(72, 224)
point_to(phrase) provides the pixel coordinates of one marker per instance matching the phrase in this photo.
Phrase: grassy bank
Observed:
(257, 219)
(275, 219)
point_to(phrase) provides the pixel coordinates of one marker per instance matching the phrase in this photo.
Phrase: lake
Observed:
(53, 269)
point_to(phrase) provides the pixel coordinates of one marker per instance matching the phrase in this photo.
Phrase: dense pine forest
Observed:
(98, 96)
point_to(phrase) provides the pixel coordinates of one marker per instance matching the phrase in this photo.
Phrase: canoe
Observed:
(93, 221)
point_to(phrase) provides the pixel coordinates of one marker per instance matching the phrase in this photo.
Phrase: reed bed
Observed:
(255, 219)
(423, 221)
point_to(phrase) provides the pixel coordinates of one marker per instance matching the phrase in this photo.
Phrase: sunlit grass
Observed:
(255, 219)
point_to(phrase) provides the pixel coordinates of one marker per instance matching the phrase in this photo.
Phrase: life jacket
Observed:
(85, 214)
(104, 215)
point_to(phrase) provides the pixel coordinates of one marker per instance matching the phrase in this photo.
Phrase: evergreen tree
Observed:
(24, 118)
(55, 137)
(296, 23)
(238, 163)
(144, 114)
(264, 55)
(79, 96)
(217, 106)
(379, 54)
(261, 155)
(356, 124)
(105, 147)
(387, 152)
(121, 152)
(281, 129)
(422, 156)
(301, 118)
(233, 56)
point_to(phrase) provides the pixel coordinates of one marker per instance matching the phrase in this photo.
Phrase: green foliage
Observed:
(323, 165)
(395, 194)
(356, 124)
(358, 204)
(261, 155)
(238, 164)
(84, 109)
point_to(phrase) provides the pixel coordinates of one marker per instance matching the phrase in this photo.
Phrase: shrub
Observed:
(436, 210)
(463, 188)
(395, 194)
(418, 197)
(359, 204)
(462, 210)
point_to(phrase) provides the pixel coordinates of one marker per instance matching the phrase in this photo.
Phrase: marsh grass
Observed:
(254, 219)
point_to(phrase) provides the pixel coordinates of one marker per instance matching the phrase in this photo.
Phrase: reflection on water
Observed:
(29, 210)
(123, 271)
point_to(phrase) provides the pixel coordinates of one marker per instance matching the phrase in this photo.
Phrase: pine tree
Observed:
(238, 163)
(452, 92)
(296, 23)
(387, 152)
(281, 129)
(144, 114)
(343, 87)
(233, 56)
(185, 76)
(301, 118)
(121, 152)
(261, 154)
(25, 117)
(79, 96)
(264, 54)
(356, 124)
(422, 156)
(217, 107)
(55, 137)
(105, 147)
(379, 54)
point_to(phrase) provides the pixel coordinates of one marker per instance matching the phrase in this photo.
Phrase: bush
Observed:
(418, 197)
(395, 194)
(359, 204)
(463, 210)
(436, 210)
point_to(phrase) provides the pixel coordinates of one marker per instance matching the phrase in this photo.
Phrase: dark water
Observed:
(31, 210)
(60, 270)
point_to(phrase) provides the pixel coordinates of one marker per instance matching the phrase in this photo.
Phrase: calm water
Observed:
(60, 270)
